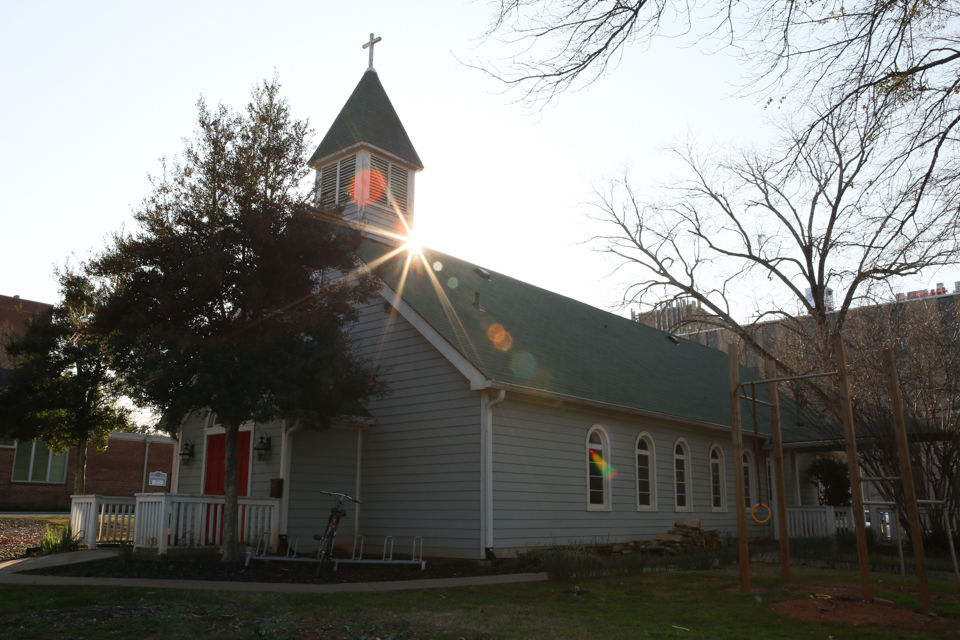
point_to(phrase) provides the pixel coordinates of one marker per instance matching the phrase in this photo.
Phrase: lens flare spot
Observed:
(452, 282)
(367, 187)
(500, 337)
(523, 365)
(605, 467)
(438, 266)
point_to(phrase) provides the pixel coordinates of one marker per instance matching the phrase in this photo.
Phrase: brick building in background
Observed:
(15, 313)
(31, 476)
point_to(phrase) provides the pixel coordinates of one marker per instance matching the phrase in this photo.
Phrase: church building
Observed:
(516, 417)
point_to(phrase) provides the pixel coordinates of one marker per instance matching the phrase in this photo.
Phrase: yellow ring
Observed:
(753, 513)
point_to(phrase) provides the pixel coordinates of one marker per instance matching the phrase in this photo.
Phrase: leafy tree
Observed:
(62, 390)
(833, 480)
(234, 293)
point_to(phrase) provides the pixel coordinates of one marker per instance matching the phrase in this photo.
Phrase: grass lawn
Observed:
(694, 604)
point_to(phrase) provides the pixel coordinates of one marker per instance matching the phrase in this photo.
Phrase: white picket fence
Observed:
(163, 521)
(102, 519)
(818, 522)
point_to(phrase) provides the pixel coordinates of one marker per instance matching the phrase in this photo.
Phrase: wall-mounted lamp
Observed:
(262, 447)
(186, 451)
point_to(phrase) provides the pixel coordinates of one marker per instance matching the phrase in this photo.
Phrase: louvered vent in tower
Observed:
(395, 178)
(328, 186)
(398, 188)
(381, 165)
(348, 168)
(336, 179)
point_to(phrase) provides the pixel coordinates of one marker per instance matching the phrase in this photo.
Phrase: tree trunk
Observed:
(80, 477)
(230, 551)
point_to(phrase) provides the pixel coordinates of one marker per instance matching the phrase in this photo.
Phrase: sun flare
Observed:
(411, 243)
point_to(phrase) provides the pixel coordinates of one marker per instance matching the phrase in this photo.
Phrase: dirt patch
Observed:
(856, 613)
(17, 535)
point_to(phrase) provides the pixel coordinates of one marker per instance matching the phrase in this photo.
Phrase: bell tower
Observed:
(366, 164)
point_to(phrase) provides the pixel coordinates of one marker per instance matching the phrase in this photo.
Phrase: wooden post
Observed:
(853, 464)
(782, 528)
(906, 476)
(736, 431)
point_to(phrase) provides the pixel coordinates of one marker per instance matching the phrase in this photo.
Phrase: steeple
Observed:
(366, 162)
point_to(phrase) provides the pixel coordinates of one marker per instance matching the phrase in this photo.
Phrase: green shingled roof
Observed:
(368, 116)
(518, 334)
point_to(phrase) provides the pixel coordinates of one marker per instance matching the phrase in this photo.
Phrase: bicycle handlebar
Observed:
(341, 496)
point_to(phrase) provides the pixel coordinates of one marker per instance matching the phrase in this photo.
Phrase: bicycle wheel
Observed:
(325, 548)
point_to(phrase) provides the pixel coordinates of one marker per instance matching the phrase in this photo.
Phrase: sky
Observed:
(99, 92)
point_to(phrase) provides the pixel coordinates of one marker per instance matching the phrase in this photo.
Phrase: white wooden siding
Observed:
(421, 460)
(190, 480)
(539, 478)
(321, 460)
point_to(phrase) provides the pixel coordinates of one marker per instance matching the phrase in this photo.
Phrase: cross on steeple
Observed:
(369, 45)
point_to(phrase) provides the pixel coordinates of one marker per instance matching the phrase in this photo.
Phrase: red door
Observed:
(213, 482)
(213, 479)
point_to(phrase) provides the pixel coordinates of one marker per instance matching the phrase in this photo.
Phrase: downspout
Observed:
(486, 469)
(356, 489)
(146, 457)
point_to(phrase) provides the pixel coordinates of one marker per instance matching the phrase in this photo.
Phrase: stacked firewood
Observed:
(685, 536)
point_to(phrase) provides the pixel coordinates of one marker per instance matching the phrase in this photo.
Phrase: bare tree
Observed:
(846, 49)
(569, 41)
(826, 56)
(925, 335)
(829, 209)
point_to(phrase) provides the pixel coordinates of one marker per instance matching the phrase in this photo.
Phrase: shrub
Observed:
(58, 540)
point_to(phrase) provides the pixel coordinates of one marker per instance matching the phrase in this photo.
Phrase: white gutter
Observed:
(286, 450)
(486, 468)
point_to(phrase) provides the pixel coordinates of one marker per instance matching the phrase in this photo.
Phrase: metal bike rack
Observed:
(386, 557)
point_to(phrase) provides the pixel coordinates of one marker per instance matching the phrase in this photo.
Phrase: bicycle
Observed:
(325, 550)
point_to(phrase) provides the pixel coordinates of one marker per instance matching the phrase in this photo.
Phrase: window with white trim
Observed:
(336, 181)
(747, 470)
(646, 474)
(598, 470)
(681, 474)
(394, 186)
(34, 462)
(718, 494)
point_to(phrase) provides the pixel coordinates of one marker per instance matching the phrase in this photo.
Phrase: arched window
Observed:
(598, 470)
(681, 473)
(718, 494)
(646, 474)
(748, 478)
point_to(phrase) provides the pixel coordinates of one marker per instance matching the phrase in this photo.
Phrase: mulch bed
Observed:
(20, 535)
(207, 566)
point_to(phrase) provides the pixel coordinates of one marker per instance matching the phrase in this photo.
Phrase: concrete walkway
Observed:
(11, 573)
